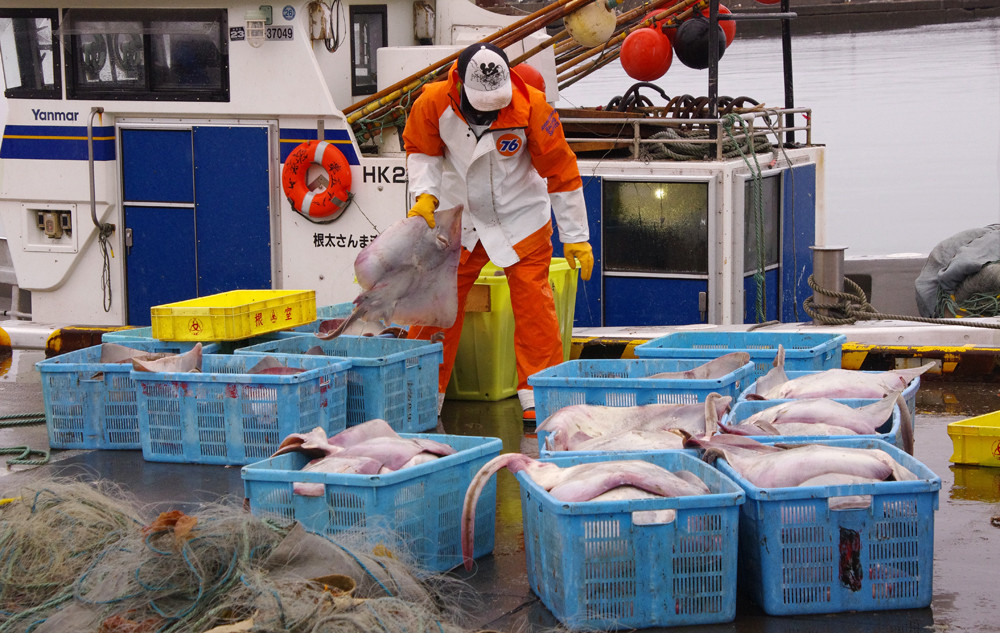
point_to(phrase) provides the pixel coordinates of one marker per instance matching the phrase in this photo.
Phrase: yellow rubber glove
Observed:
(580, 251)
(424, 207)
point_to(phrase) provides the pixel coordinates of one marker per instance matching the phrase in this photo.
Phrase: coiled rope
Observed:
(853, 306)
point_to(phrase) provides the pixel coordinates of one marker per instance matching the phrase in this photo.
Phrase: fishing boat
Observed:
(144, 151)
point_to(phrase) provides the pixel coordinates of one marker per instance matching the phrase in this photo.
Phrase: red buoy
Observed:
(769, 1)
(728, 26)
(646, 54)
(530, 75)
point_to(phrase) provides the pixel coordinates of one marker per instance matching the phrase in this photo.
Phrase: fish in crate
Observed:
(587, 427)
(622, 542)
(831, 526)
(371, 484)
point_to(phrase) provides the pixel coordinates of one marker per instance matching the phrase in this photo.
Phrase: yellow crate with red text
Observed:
(234, 315)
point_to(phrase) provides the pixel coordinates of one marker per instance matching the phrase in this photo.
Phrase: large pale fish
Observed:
(368, 448)
(578, 423)
(344, 464)
(113, 353)
(832, 383)
(862, 420)
(583, 482)
(271, 366)
(315, 443)
(361, 432)
(631, 440)
(394, 452)
(769, 466)
(408, 274)
(189, 361)
(715, 368)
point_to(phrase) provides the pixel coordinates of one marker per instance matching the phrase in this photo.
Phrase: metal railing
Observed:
(687, 132)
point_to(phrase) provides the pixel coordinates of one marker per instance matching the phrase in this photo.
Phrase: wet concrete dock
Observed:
(966, 539)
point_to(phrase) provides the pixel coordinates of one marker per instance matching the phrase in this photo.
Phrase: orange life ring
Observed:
(325, 205)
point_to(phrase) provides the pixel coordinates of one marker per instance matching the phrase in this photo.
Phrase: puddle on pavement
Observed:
(964, 398)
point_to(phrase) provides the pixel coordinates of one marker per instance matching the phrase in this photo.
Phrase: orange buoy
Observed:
(728, 26)
(646, 54)
(663, 24)
(530, 75)
(321, 205)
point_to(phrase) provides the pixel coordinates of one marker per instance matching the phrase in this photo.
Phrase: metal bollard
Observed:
(828, 273)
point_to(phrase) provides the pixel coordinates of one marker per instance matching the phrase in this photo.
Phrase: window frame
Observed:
(359, 10)
(56, 90)
(147, 91)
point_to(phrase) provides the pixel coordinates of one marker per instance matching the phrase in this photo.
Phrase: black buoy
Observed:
(691, 42)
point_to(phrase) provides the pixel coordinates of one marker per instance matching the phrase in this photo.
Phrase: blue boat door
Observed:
(196, 213)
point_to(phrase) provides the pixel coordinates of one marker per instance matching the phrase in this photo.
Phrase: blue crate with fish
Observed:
(804, 351)
(887, 429)
(91, 404)
(634, 563)
(909, 392)
(126, 336)
(419, 507)
(627, 383)
(838, 548)
(392, 379)
(227, 415)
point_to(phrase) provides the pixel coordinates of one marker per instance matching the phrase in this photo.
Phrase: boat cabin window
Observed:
(147, 54)
(761, 223)
(30, 54)
(369, 32)
(656, 227)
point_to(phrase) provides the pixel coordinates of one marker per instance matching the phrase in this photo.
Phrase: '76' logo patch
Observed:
(508, 144)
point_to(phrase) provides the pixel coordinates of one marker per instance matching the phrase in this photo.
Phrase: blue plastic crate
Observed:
(888, 432)
(420, 507)
(324, 313)
(624, 383)
(93, 405)
(126, 337)
(224, 415)
(797, 556)
(909, 393)
(392, 379)
(803, 351)
(595, 567)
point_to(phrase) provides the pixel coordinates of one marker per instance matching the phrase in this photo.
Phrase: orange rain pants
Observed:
(537, 344)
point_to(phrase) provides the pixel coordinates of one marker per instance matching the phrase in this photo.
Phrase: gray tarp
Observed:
(952, 261)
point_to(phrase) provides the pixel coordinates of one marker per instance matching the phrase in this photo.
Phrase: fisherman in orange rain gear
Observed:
(487, 140)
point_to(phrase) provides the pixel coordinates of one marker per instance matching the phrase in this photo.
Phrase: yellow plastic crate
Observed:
(976, 440)
(234, 315)
(485, 367)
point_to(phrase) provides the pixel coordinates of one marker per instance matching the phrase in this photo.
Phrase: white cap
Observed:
(487, 78)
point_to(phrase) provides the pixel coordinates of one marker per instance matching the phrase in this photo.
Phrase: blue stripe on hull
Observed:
(56, 142)
(341, 139)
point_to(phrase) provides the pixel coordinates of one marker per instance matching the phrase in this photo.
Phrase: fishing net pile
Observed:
(78, 556)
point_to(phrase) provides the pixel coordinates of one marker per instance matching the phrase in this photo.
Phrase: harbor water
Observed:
(909, 118)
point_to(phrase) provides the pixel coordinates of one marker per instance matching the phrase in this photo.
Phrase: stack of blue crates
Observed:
(804, 351)
(94, 405)
(226, 415)
(395, 380)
